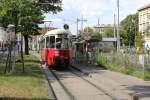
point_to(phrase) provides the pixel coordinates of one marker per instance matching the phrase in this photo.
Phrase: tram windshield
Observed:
(62, 43)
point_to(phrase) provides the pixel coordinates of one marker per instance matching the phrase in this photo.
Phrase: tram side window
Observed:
(43, 43)
(52, 42)
(47, 42)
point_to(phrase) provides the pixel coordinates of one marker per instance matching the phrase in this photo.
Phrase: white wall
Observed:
(3, 35)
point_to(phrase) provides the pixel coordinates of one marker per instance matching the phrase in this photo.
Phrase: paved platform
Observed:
(117, 81)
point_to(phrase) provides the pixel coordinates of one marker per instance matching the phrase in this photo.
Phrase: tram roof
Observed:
(57, 31)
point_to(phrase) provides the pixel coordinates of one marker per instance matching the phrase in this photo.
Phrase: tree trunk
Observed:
(26, 45)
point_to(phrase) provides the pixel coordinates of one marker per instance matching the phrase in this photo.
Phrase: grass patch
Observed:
(29, 85)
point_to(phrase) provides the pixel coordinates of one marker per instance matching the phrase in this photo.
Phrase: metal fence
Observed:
(130, 61)
(5, 57)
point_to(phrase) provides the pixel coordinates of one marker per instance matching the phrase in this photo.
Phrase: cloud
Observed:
(94, 9)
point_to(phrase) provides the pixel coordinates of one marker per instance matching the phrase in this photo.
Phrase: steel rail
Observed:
(63, 86)
(91, 83)
(50, 86)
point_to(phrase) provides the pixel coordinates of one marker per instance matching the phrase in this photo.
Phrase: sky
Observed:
(92, 10)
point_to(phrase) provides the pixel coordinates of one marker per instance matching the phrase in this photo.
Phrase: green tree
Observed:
(87, 30)
(139, 42)
(109, 32)
(21, 13)
(130, 28)
(123, 37)
(94, 36)
(49, 5)
(27, 14)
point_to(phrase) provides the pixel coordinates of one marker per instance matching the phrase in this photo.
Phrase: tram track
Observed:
(70, 95)
(73, 69)
(51, 94)
(73, 95)
(67, 90)
(110, 90)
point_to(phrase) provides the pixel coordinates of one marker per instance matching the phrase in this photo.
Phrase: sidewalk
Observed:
(118, 81)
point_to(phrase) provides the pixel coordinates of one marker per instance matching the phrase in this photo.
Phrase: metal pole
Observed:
(118, 37)
(81, 20)
(130, 38)
(77, 26)
(114, 26)
(82, 24)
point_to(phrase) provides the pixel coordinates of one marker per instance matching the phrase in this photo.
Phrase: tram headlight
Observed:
(56, 53)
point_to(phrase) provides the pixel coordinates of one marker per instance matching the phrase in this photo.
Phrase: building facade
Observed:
(144, 23)
(3, 37)
(144, 18)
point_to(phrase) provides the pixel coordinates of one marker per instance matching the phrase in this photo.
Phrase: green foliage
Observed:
(30, 18)
(130, 27)
(27, 13)
(21, 12)
(88, 29)
(123, 37)
(49, 5)
(139, 43)
(100, 59)
(94, 36)
(24, 14)
(109, 32)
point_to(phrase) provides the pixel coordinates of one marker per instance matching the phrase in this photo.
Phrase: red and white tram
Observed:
(56, 48)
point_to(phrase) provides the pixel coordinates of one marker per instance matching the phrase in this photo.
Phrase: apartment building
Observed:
(144, 23)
